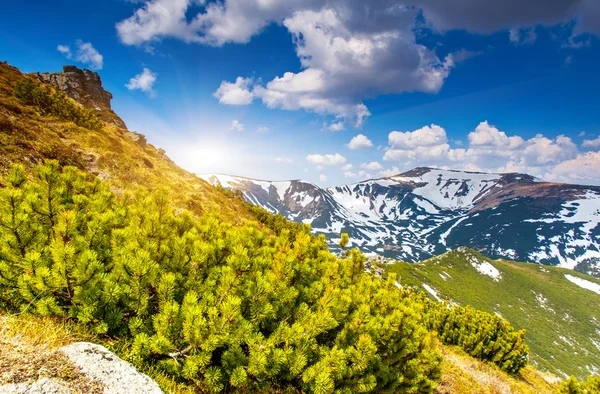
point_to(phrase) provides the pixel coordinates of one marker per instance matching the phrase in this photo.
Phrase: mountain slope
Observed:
(426, 211)
(124, 158)
(559, 308)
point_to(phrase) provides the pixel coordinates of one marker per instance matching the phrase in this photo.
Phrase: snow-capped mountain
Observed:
(427, 211)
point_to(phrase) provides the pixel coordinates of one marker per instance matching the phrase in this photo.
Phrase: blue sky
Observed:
(336, 91)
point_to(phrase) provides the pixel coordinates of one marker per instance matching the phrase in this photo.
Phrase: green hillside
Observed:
(562, 319)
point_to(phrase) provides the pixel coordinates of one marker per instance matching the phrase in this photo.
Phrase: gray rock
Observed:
(42, 386)
(116, 375)
(85, 87)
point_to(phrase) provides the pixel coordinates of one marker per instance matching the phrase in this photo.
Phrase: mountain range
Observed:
(424, 212)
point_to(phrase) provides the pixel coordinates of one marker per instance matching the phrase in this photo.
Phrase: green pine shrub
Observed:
(574, 386)
(482, 335)
(55, 103)
(229, 307)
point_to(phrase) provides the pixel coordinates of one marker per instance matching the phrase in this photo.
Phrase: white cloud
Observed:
(486, 135)
(285, 160)
(359, 141)
(329, 160)
(350, 174)
(347, 167)
(349, 50)
(335, 126)
(426, 136)
(581, 169)
(322, 178)
(364, 174)
(65, 49)
(373, 166)
(236, 93)
(389, 172)
(490, 150)
(595, 143)
(237, 126)
(85, 53)
(262, 129)
(238, 20)
(144, 81)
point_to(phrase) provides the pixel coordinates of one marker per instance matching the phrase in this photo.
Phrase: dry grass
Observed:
(29, 352)
(462, 374)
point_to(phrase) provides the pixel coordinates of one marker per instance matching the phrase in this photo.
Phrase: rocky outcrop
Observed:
(85, 87)
(114, 374)
(84, 368)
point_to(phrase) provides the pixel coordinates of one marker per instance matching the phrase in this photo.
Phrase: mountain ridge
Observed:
(426, 211)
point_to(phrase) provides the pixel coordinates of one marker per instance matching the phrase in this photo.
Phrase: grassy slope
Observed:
(29, 137)
(560, 330)
(464, 374)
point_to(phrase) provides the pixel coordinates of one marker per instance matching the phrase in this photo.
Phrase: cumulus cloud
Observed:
(84, 53)
(329, 160)
(262, 129)
(493, 150)
(581, 169)
(389, 172)
(238, 20)
(144, 81)
(374, 166)
(486, 135)
(426, 136)
(284, 160)
(347, 167)
(349, 50)
(236, 93)
(335, 126)
(595, 143)
(237, 126)
(322, 178)
(359, 141)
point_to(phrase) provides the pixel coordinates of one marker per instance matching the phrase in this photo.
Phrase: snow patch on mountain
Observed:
(451, 189)
(432, 291)
(586, 284)
(485, 268)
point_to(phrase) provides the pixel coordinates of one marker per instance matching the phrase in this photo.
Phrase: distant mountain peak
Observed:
(427, 211)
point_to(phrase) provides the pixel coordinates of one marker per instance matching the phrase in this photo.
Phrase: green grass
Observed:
(560, 330)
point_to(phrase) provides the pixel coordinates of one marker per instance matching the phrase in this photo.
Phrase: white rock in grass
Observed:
(117, 376)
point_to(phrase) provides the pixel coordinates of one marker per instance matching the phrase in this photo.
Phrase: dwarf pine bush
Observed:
(227, 306)
(482, 335)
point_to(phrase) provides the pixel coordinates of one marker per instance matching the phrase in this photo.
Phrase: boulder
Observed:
(117, 376)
